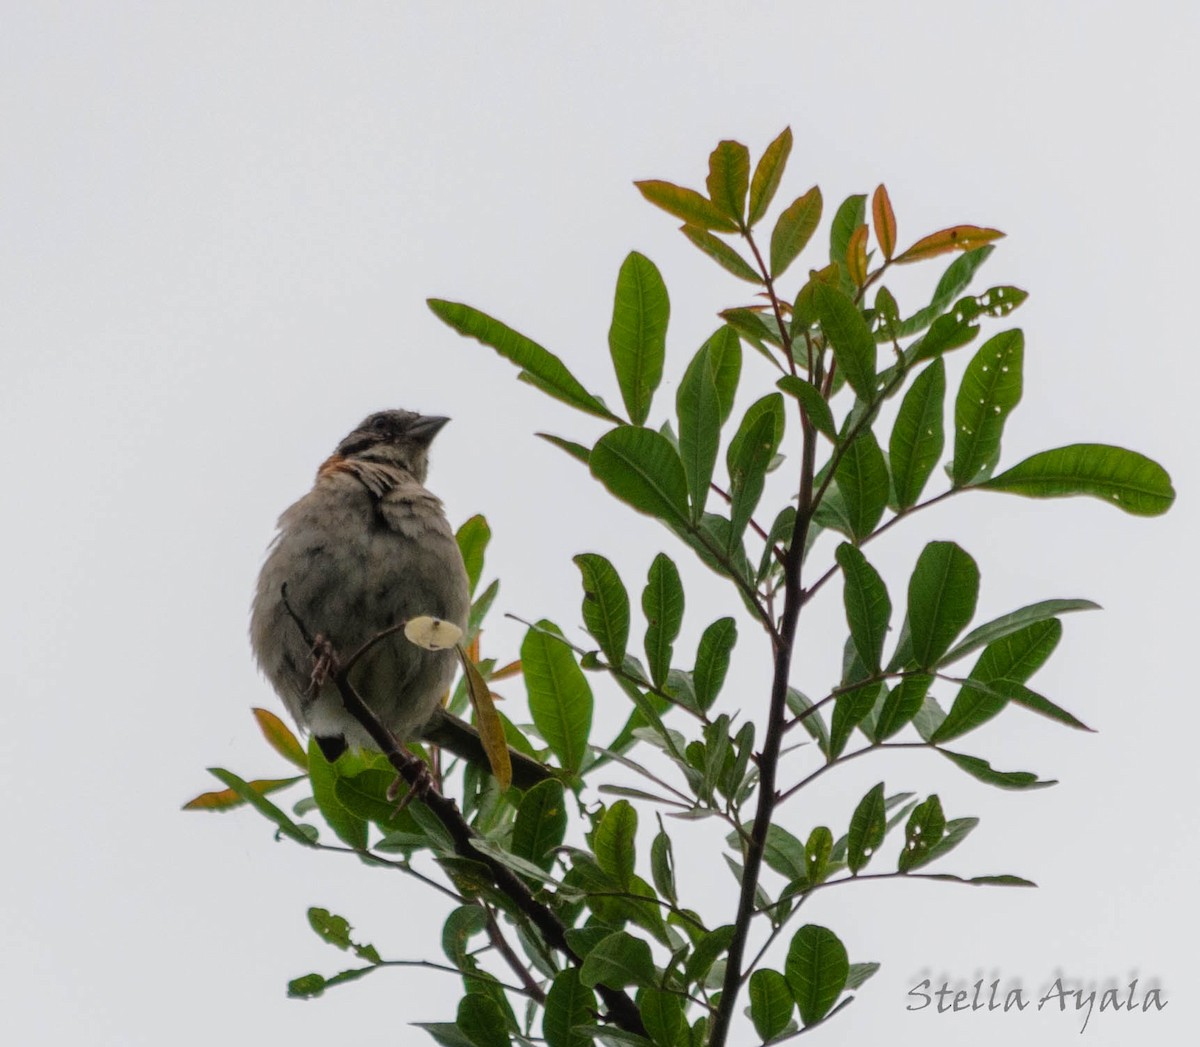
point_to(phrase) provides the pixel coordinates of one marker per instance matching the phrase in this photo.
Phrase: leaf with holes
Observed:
(918, 435)
(1126, 479)
(990, 389)
(867, 826)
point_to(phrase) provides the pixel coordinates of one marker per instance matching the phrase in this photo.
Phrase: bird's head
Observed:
(397, 437)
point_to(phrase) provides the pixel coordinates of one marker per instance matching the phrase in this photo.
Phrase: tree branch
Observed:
(621, 1009)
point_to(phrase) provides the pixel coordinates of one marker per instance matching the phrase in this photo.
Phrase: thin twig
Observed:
(879, 530)
(496, 936)
(845, 757)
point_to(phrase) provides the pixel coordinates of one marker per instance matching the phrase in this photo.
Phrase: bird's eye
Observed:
(379, 424)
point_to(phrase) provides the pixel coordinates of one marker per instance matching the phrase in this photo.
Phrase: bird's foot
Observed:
(325, 663)
(418, 789)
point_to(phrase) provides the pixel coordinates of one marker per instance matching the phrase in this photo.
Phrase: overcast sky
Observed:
(218, 226)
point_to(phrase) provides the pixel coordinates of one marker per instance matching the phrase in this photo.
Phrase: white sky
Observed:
(219, 223)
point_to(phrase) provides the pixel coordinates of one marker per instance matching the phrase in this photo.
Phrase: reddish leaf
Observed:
(885, 221)
(488, 722)
(856, 256)
(505, 671)
(280, 738)
(226, 799)
(956, 238)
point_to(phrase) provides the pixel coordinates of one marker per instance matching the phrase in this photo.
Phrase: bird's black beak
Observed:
(427, 426)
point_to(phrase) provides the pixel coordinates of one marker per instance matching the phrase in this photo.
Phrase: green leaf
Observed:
(540, 824)
(849, 710)
(641, 468)
(614, 842)
(482, 1021)
(576, 451)
(816, 854)
(605, 605)
(990, 389)
(901, 705)
(460, 927)
(767, 175)
(850, 215)
(957, 277)
(816, 407)
(725, 361)
(618, 960)
(662, 865)
(721, 253)
(472, 538)
(1013, 622)
(801, 706)
(780, 534)
(350, 828)
(925, 828)
(917, 435)
(750, 452)
(637, 337)
(712, 660)
(704, 955)
(335, 930)
(662, 603)
(1014, 657)
(942, 593)
(753, 327)
(862, 482)
(560, 699)
(662, 1015)
(568, 1003)
(957, 830)
(771, 1002)
(1126, 479)
(984, 772)
(850, 337)
(859, 973)
(686, 204)
(868, 609)
(1034, 702)
(817, 967)
(1018, 655)
(548, 370)
(1004, 880)
(699, 411)
(729, 179)
(793, 229)
(867, 826)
